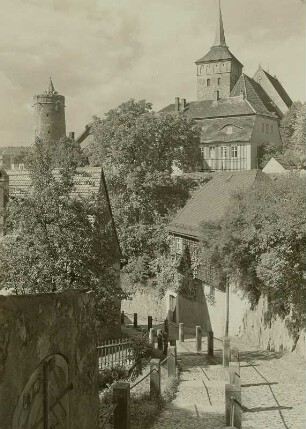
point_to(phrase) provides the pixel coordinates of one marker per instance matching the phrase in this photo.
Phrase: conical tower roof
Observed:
(51, 89)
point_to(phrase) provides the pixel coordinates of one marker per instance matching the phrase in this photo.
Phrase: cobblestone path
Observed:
(284, 396)
(199, 402)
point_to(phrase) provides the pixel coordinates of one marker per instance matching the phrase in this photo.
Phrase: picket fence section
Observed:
(114, 352)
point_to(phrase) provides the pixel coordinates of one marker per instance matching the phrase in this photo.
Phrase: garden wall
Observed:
(48, 350)
(216, 310)
(273, 336)
(145, 303)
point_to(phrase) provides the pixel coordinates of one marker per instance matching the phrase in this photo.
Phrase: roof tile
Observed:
(209, 203)
(218, 53)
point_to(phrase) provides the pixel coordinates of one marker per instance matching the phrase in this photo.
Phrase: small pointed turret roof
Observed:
(220, 36)
(51, 87)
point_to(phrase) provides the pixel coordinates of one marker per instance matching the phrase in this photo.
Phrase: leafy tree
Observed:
(288, 123)
(266, 152)
(260, 243)
(66, 152)
(138, 149)
(295, 148)
(57, 241)
(293, 134)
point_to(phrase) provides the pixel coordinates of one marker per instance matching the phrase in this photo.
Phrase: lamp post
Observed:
(226, 308)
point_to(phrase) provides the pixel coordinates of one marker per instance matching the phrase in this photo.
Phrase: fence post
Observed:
(166, 326)
(159, 339)
(171, 362)
(234, 374)
(155, 377)
(151, 335)
(122, 317)
(232, 392)
(149, 322)
(210, 343)
(198, 338)
(121, 396)
(165, 338)
(226, 351)
(234, 355)
(172, 342)
(135, 320)
(181, 332)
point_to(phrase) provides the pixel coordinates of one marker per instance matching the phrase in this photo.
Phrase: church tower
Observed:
(218, 70)
(49, 115)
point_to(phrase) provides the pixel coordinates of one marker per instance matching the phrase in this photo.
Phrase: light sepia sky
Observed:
(103, 52)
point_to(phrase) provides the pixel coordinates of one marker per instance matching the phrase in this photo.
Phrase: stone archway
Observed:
(44, 402)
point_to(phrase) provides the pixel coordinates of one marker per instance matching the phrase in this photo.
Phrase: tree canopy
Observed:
(56, 241)
(260, 243)
(293, 134)
(139, 149)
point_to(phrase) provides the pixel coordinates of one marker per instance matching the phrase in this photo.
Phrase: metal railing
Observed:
(114, 352)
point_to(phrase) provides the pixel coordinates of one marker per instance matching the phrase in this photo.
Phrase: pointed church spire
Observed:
(51, 87)
(220, 36)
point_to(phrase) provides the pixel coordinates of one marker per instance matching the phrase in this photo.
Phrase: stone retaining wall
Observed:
(274, 336)
(35, 329)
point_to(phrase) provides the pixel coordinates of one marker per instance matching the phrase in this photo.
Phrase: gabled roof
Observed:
(225, 107)
(209, 203)
(255, 94)
(88, 181)
(218, 53)
(275, 91)
(216, 130)
(279, 88)
(14, 150)
(277, 164)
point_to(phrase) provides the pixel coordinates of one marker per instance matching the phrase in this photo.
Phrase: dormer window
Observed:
(229, 130)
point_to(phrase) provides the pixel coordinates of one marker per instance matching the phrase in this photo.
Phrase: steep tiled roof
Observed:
(14, 150)
(279, 88)
(232, 106)
(254, 94)
(218, 53)
(210, 202)
(216, 130)
(88, 181)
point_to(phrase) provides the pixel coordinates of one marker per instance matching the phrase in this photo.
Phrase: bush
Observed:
(109, 376)
(142, 351)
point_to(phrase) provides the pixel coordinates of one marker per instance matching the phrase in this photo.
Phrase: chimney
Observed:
(216, 95)
(177, 104)
(4, 190)
(71, 135)
(183, 103)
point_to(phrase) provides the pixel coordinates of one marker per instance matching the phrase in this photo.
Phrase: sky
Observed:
(101, 53)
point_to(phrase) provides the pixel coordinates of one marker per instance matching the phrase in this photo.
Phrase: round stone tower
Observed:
(49, 115)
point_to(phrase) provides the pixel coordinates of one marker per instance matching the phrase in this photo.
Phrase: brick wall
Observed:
(49, 117)
(222, 77)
